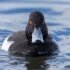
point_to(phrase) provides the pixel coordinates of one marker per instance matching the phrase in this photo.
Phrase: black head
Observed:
(36, 20)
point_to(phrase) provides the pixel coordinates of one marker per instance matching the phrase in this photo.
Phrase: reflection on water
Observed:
(57, 62)
(8, 62)
(35, 63)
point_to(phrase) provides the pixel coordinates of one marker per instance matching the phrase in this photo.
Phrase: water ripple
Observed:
(27, 10)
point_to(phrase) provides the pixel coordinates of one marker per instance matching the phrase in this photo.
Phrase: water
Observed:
(14, 16)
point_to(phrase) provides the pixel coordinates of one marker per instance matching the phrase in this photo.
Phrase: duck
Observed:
(34, 41)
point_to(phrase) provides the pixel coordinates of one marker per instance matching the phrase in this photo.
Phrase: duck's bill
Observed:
(37, 35)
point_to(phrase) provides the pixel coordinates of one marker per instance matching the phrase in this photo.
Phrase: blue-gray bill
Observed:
(37, 35)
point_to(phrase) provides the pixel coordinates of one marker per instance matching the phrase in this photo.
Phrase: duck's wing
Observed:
(17, 37)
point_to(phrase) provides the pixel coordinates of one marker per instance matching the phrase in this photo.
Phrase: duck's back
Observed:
(20, 44)
(18, 36)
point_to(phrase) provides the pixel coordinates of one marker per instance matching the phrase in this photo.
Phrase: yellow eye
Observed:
(30, 22)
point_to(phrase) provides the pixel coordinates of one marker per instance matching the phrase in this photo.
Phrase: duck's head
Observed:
(36, 30)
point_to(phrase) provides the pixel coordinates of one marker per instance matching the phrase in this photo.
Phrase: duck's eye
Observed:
(30, 22)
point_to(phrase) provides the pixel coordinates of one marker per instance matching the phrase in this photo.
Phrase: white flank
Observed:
(6, 44)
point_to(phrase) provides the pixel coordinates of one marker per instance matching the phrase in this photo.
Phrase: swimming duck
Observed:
(34, 41)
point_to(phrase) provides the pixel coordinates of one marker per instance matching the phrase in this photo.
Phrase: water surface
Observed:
(14, 16)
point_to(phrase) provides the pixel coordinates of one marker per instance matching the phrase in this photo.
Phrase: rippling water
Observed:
(14, 16)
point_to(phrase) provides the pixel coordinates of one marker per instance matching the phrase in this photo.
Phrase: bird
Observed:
(34, 41)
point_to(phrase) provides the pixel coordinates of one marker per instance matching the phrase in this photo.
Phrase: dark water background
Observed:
(14, 17)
